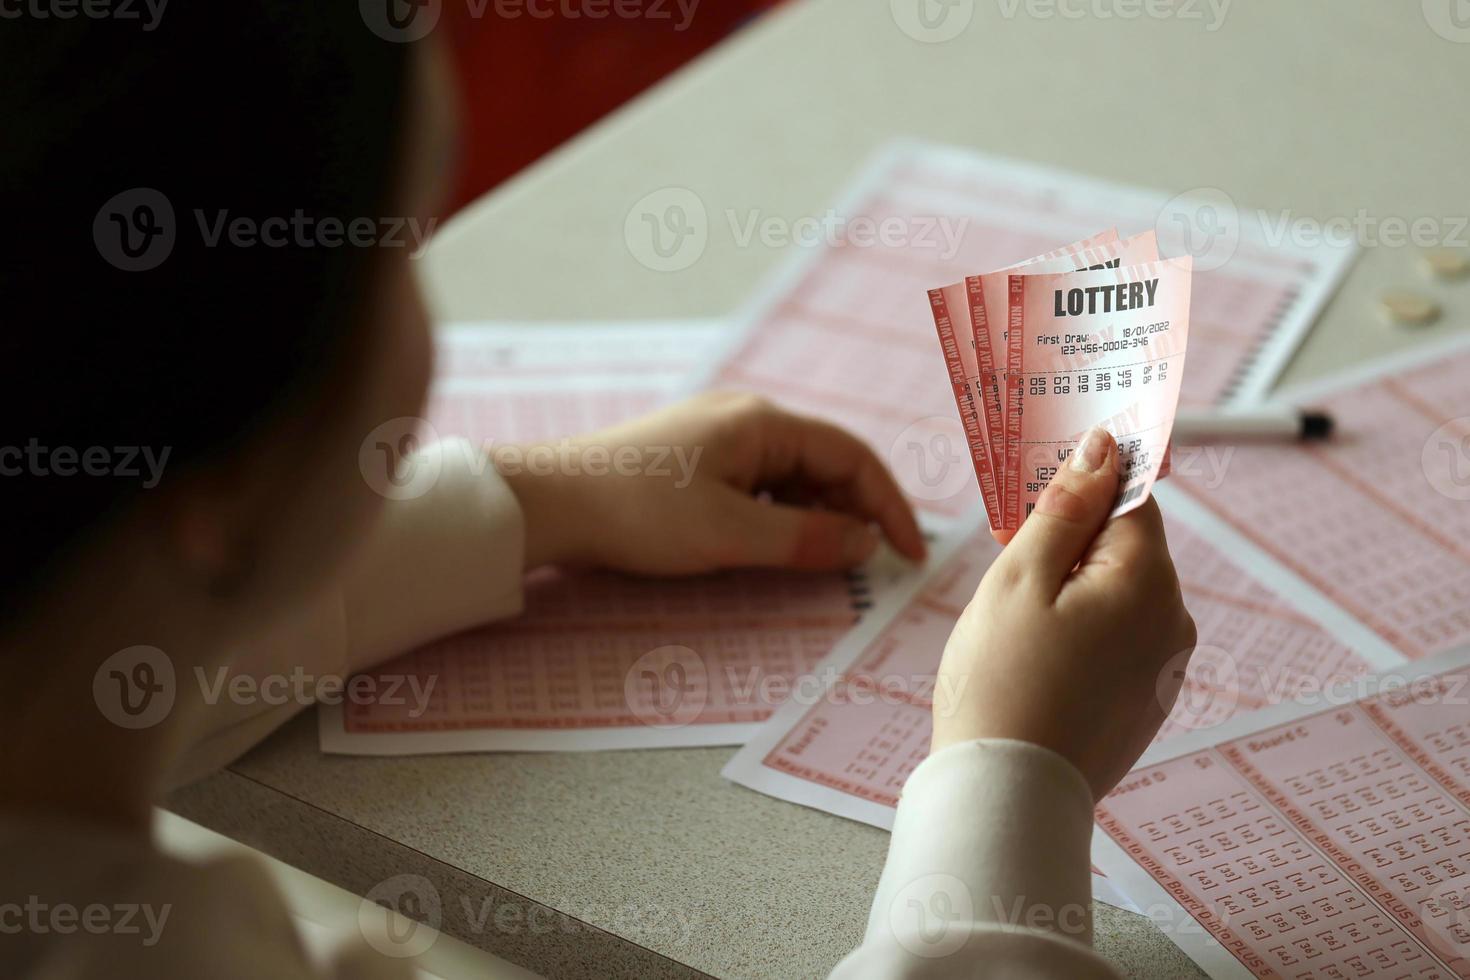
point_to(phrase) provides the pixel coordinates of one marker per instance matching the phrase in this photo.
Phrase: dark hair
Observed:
(258, 110)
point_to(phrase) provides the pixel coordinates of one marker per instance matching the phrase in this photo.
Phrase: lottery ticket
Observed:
(1103, 347)
(995, 356)
(971, 342)
(1329, 839)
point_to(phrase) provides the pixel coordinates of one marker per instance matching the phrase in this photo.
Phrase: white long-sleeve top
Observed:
(987, 873)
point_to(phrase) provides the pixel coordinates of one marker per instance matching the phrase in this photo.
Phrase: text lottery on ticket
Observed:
(1093, 333)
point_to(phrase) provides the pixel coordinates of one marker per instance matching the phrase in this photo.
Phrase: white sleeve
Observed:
(433, 565)
(988, 873)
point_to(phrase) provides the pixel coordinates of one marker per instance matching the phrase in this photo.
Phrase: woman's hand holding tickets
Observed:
(1067, 640)
(719, 481)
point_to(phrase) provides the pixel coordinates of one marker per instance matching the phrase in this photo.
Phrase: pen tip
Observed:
(1317, 425)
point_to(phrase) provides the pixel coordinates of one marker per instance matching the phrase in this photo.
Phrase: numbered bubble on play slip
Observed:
(1203, 223)
(667, 687)
(931, 459)
(420, 913)
(929, 916)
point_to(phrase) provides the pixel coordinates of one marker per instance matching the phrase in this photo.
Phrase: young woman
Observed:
(183, 490)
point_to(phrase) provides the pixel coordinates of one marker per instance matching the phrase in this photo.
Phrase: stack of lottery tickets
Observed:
(1090, 334)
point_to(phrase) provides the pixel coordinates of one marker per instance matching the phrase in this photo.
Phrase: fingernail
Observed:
(858, 544)
(1091, 452)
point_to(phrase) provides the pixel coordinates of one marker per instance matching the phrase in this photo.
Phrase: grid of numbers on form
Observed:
(1334, 846)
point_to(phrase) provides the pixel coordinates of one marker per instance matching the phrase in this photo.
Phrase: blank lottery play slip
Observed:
(1093, 333)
